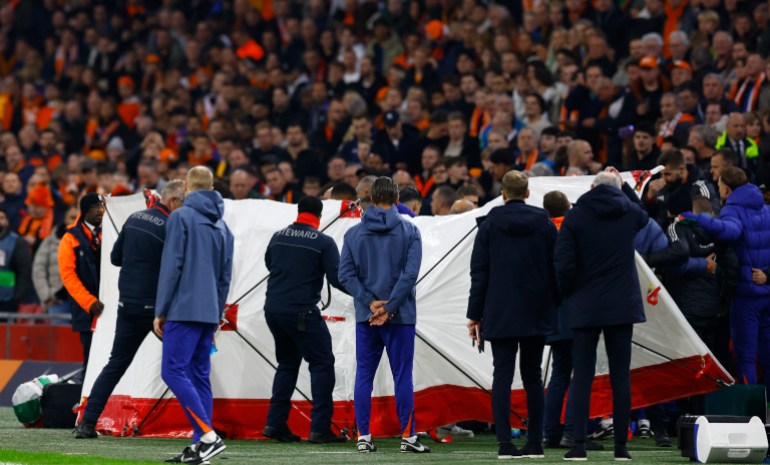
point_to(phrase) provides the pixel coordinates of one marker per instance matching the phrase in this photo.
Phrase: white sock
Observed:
(367, 438)
(194, 447)
(606, 422)
(209, 437)
(411, 440)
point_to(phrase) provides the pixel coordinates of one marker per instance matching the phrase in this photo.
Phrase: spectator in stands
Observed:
(735, 138)
(15, 267)
(45, 269)
(645, 153)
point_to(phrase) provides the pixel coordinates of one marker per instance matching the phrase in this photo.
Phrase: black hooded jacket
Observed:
(513, 286)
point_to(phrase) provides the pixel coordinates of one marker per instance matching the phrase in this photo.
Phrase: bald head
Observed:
(736, 126)
(461, 206)
(200, 178)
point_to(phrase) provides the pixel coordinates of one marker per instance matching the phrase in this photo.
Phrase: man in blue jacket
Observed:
(512, 305)
(383, 289)
(596, 273)
(744, 223)
(137, 251)
(194, 282)
(297, 258)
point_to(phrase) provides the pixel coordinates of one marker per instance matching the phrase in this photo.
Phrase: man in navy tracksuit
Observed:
(744, 223)
(512, 301)
(137, 251)
(297, 258)
(195, 272)
(379, 266)
(596, 273)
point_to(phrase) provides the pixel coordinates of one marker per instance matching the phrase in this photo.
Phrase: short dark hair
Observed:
(409, 194)
(556, 204)
(733, 177)
(550, 131)
(344, 191)
(384, 191)
(671, 158)
(446, 194)
(312, 205)
(728, 155)
(467, 189)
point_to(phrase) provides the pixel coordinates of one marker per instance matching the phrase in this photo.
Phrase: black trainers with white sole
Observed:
(187, 455)
(208, 450)
(415, 446)
(365, 446)
(576, 454)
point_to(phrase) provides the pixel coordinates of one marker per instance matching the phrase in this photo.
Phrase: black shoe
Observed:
(281, 435)
(415, 446)
(576, 454)
(324, 438)
(187, 455)
(86, 430)
(621, 454)
(662, 440)
(533, 451)
(507, 451)
(206, 451)
(552, 443)
(590, 445)
(365, 446)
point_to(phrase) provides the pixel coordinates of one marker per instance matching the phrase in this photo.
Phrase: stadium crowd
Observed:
(285, 99)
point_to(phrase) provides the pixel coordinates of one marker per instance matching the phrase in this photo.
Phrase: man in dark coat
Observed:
(512, 305)
(596, 273)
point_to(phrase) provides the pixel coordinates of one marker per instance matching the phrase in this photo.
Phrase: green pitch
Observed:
(58, 447)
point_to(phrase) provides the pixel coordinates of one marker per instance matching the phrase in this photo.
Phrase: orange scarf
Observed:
(672, 22)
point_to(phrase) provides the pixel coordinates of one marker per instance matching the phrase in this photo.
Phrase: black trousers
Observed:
(85, 343)
(297, 337)
(133, 325)
(504, 361)
(617, 342)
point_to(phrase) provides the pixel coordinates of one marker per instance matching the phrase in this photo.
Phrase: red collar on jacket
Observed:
(309, 219)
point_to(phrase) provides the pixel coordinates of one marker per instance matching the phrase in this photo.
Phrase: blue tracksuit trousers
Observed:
(185, 369)
(398, 340)
(750, 328)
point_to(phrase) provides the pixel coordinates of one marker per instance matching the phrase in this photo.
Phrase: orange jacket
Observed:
(67, 265)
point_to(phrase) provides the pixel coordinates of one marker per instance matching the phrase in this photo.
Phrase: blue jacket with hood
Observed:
(197, 261)
(380, 261)
(594, 259)
(513, 287)
(744, 222)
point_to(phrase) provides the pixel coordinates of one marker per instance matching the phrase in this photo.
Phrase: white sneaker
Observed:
(461, 432)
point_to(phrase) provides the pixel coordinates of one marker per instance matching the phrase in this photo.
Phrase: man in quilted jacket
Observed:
(744, 223)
